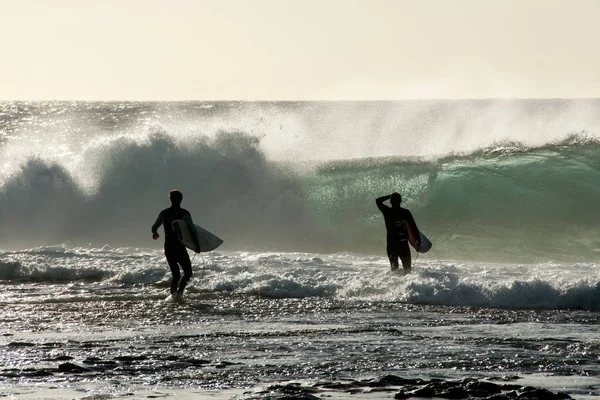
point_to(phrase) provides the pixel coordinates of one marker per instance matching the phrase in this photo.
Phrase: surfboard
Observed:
(425, 244)
(208, 241)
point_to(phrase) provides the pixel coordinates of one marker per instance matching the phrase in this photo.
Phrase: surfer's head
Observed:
(395, 199)
(176, 197)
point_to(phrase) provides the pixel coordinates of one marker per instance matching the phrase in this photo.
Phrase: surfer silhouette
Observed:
(397, 222)
(175, 252)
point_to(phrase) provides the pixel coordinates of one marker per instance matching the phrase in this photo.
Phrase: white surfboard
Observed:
(208, 241)
(425, 244)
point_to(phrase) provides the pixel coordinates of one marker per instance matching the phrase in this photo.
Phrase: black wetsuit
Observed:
(175, 251)
(396, 219)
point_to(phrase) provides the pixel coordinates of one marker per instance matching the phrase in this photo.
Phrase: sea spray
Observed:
(498, 181)
(227, 183)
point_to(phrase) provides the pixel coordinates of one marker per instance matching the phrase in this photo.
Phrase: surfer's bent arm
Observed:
(157, 225)
(379, 201)
(190, 223)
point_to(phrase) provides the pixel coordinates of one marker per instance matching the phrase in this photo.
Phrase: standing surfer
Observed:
(397, 222)
(175, 252)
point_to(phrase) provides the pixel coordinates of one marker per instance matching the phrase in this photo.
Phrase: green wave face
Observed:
(506, 204)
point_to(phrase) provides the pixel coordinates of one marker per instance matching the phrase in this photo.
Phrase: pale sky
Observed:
(298, 49)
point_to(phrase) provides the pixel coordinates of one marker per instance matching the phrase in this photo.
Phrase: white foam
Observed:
(342, 276)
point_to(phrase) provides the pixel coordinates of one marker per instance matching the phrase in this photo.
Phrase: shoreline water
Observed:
(299, 390)
(113, 337)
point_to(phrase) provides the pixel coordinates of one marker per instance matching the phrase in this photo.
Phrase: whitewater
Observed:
(300, 300)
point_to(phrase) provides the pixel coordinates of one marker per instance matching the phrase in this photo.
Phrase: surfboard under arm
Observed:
(208, 241)
(424, 245)
(192, 228)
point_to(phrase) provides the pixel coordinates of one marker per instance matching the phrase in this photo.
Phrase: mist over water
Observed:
(228, 186)
(507, 181)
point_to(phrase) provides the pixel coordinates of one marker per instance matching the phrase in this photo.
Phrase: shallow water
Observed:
(250, 319)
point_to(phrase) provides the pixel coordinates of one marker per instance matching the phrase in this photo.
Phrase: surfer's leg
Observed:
(405, 257)
(172, 261)
(186, 265)
(392, 253)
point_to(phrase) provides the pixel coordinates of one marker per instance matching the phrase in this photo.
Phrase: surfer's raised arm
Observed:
(379, 201)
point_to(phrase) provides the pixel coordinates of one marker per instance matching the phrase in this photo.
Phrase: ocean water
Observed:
(300, 293)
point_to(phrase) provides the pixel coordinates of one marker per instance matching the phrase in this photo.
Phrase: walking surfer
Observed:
(397, 222)
(175, 252)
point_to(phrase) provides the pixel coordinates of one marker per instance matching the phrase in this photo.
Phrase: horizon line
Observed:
(301, 100)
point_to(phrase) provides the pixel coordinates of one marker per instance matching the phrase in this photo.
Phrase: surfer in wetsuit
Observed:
(175, 252)
(396, 220)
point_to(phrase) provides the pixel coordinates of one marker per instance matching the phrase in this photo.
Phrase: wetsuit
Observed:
(175, 251)
(396, 219)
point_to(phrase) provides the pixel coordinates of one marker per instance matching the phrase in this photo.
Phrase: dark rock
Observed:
(130, 358)
(63, 358)
(52, 344)
(91, 345)
(224, 364)
(32, 373)
(453, 393)
(73, 368)
(195, 361)
(562, 396)
(41, 373)
(409, 388)
(98, 361)
(354, 391)
(441, 385)
(485, 387)
(510, 378)
(401, 395)
(337, 385)
(394, 380)
(425, 391)
(370, 383)
(530, 392)
(21, 344)
(292, 391)
(511, 387)
(292, 388)
(276, 396)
